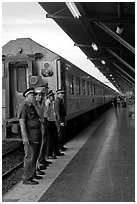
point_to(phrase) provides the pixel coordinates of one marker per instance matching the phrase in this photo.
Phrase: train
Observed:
(26, 63)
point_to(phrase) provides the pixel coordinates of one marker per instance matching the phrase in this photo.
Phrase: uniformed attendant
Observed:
(61, 118)
(40, 99)
(31, 135)
(53, 132)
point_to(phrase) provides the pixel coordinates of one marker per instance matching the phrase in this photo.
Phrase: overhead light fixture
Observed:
(94, 46)
(120, 28)
(103, 62)
(73, 9)
(110, 75)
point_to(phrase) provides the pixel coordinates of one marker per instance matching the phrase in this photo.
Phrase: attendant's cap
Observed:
(39, 90)
(28, 91)
(59, 91)
(50, 93)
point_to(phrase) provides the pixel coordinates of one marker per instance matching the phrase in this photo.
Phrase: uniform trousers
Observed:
(45, 141)
(53, 138)
(31, 154)
(61, 135)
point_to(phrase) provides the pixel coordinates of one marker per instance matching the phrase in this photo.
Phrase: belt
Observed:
(34, 128)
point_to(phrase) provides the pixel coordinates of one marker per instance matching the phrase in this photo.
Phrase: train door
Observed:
(16, 83)
(61, 77)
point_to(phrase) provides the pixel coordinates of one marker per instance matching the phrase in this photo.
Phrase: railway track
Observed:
(12, 163)
(12, 158)
(8, 152)
(10, 145)
(10, 171)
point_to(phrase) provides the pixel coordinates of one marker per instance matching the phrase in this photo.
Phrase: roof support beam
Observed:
(125, 78)
(114, 35)
(98, 58)
(123, 71)
(101, 67)
(102, 46)
(54, 16)
(121, 60)
(130, 82)
(124, 81)
(81, 45)
(114, 20)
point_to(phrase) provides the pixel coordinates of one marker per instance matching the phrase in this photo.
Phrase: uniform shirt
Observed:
(49, 111)
(60, 110)
(28, 112)
(41, 109)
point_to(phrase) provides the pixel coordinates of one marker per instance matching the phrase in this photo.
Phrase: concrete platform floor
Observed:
(99, 166)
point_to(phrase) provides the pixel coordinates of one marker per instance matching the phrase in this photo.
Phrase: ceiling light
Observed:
(120, 28)
(94, 46)
(103, 62)
(73, 9)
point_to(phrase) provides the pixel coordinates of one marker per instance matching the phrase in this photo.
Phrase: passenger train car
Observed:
(27, 64)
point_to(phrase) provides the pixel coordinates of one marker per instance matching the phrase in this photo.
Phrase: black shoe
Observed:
(43, 167)
(63, 149)
(48, 162)
(45, 162)
(39, 172)
(37, 177)
(52, 157)
(60, 154)
(30, 182)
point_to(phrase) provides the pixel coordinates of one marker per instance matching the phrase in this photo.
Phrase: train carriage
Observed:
(28, 64)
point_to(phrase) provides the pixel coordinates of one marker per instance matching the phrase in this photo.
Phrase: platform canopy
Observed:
(105, 32)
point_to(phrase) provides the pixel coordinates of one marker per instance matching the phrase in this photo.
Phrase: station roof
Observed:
(95, 28)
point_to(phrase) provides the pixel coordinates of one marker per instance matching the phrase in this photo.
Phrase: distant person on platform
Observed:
(115, 102)
(61, 118)
(31, 135)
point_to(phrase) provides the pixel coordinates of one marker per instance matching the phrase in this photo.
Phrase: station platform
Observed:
(98, 166)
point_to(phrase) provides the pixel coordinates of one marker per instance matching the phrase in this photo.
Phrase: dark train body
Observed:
(27, 64)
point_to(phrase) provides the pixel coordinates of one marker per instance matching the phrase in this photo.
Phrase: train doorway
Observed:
(18, 72)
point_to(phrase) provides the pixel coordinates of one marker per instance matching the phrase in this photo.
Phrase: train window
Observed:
(83, 87)
(21, 79)
(63, 78)
(87, 84)
(3, 69)
(99, 92)
(77, 85)
(94, 88)
(70, 84)
(91, 89)
(97, 89)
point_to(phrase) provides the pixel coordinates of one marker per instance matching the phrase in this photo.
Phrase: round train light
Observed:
(46, 65)
(46, 72)
(33, 80)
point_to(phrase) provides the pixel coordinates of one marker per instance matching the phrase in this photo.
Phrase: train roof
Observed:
(31, 47)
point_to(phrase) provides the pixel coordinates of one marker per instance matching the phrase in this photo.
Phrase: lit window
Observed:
(70, 84)
(77, 86)
(83, 87)
(21, 80)
(88, 88)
